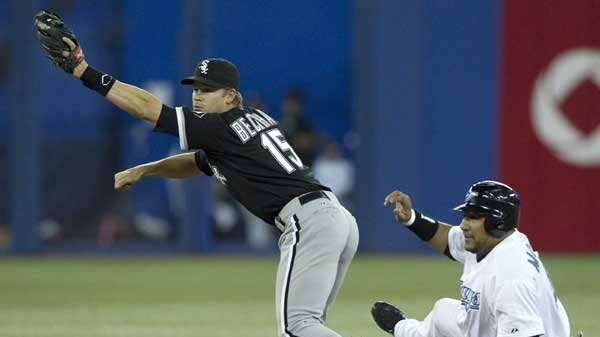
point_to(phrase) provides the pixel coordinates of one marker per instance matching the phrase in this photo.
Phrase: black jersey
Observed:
(245, 149)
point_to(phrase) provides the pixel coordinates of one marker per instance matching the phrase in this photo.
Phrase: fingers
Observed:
(394, 197)
(400, 210)
(118, 184)
(399, 216)
(122, 187)
(402, 213)
(122, 181)
(70, 43)
(403, 205)
(391, 198)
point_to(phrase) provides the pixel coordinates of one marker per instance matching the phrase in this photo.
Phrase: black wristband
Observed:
(424, 227)
(97, 81)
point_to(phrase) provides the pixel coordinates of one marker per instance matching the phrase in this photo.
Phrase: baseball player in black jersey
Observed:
(245, 149)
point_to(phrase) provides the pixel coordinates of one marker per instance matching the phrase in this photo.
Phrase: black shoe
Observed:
(386, 316)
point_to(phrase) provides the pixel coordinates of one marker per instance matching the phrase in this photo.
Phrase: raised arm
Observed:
(136, 101)
(63, 49)
(434, 233)
(178, 166)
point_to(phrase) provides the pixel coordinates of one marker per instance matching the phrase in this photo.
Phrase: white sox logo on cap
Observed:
(566, 72)
(215, 72)
(204, 67)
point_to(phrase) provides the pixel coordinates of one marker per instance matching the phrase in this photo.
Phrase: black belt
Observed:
(310, 196)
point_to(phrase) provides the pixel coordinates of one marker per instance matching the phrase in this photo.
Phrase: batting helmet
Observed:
(497, 202)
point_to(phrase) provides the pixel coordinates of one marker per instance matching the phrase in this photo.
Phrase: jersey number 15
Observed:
(283, 153)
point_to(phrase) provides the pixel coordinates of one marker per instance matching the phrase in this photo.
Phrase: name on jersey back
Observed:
(251, 124)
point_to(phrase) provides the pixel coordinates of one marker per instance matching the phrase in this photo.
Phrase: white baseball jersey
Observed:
(507, 293)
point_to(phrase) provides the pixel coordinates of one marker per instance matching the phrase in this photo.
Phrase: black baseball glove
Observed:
(51, 30)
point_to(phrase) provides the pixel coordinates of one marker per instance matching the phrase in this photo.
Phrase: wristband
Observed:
(423, 227)
(97, 80)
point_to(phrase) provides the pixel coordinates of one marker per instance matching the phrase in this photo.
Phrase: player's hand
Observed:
(403, 208)
(77, 53)
(125, 179)
(58, 41)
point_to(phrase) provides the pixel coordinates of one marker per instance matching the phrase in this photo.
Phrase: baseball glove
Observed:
(51, 30)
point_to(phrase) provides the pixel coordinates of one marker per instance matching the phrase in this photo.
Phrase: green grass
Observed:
(233, 296)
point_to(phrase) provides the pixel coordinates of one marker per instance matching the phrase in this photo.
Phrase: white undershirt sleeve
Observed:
(456, 244)
(183, 143)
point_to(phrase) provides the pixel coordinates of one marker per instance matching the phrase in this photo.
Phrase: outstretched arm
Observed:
(62, 48)
(178, 166)
(137, 102)
(434, 233)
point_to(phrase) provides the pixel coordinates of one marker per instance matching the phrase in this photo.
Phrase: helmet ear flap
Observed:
(494, 227)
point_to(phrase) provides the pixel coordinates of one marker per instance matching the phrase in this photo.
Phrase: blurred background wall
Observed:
(422, 96)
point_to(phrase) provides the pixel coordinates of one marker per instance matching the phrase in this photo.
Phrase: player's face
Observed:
(477, 240)
(209, 99)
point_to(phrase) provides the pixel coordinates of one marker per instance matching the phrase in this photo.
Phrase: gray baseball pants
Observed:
(318, 241)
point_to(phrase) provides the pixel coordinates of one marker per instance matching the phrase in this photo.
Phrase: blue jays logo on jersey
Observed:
(469, 298)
